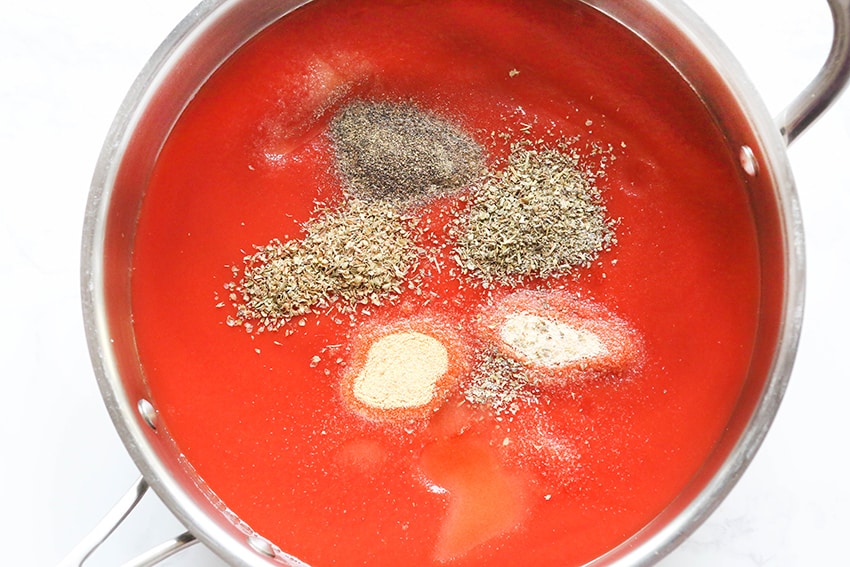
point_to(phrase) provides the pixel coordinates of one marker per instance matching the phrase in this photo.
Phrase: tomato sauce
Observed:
(266, 425)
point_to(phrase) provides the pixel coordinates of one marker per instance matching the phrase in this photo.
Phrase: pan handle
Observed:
(829, 82)
(111, 521)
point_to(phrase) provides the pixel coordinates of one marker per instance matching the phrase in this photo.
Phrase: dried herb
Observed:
(500, 382)
(539, 215)
(359, 254)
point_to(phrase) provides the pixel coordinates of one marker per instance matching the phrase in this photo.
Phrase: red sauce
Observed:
(270, 433)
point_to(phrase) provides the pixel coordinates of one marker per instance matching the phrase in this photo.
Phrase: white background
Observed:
(64, 69)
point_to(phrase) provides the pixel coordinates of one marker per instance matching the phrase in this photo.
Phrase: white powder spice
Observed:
(401, 371)
(548, 342)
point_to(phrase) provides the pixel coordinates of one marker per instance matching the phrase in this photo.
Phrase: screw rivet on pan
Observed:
(749, 161)
(261, 545)
(148, 413)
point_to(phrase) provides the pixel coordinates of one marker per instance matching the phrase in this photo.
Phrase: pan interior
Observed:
(153, 197)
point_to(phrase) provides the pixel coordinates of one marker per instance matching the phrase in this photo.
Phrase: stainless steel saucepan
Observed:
(213, 31)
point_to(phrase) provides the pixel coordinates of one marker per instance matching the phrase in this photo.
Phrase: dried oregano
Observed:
(361, 253)
(500, 382)
(539, 215)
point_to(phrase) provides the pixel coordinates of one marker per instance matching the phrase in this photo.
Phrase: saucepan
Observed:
(211, 33)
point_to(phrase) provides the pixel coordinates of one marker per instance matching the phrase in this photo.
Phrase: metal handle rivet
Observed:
(749, 161)
(148, 413)
(261, 545)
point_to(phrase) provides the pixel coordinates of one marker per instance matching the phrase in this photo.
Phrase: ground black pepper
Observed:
(397, 152)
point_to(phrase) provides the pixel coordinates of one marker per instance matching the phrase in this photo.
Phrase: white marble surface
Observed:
(64, 69)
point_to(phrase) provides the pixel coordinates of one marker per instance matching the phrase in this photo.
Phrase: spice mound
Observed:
(397, 152)
(402, 372)
(500, 382)
(540, 215)
(361, 253)
(547, 342)
(557, 336)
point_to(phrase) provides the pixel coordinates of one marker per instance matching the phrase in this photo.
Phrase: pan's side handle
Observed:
(829, 82)
(111, 521)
